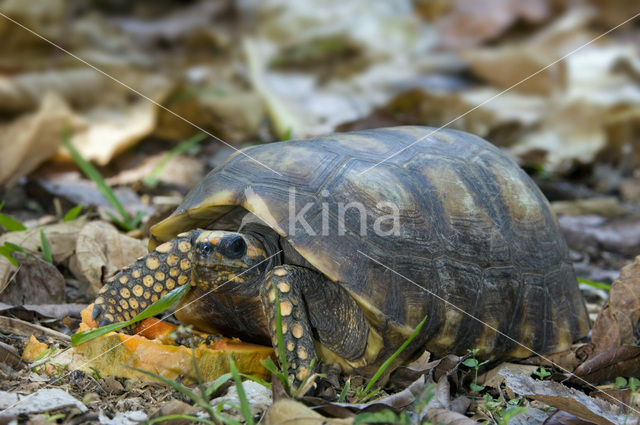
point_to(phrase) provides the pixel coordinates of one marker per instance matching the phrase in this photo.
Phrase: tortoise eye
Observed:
(232, 246)
(205, 249)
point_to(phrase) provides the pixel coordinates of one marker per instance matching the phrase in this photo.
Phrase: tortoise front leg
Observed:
(312, 307)
(282, 284)
(141, 284)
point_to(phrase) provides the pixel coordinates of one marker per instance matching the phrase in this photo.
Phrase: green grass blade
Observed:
(385, 416)
(90, 171)
(5, 251)
(245, 409)
(73, 213)
(14, 247)
(222, 379)
(388, 362)
(281, 348)
(186, 417)
(124, 225)
(257, 380)
(46, 248)
(273, 368)
(343, 393)
(155, 308)
(153, 177)
(137, 219)
(10, 223)
(599, 285)
(173, 384)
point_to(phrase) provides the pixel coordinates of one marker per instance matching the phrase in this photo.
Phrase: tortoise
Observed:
(359, 236)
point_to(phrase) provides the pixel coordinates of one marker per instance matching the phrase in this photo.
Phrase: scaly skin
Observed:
(237, 283)
(144, 282)
(296, 328)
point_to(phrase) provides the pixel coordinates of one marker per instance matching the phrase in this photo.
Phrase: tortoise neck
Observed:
(269, 240)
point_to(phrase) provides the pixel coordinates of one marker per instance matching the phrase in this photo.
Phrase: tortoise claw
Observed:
(104, 322)
(97, 311)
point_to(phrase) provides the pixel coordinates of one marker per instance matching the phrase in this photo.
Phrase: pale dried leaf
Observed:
(284, 119)
(44, 400)
(470, 22)
(568, 399)
(493, 378)
(32, 138)
(110, 129)
(181, 23)
(290, 412)
(179, 171)
(530, 65)
(101, 250)
(24, 91)
(511, 65)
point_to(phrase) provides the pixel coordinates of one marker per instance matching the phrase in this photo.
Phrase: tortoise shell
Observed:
(476, 247)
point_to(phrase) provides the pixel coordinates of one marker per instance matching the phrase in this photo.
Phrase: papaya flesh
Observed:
(152, 348)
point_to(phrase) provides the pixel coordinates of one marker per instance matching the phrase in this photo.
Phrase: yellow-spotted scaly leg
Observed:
(144, 282)
(315, 309)
(282, 284)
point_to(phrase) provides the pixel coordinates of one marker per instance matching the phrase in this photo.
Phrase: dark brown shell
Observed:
(477, 237)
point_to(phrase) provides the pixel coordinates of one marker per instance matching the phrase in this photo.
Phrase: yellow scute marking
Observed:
(165, 247)
(457, 202)
(519, 199)
(447, 334)
(260, 208)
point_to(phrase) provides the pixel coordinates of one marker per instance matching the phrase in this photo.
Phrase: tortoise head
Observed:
(226, 260)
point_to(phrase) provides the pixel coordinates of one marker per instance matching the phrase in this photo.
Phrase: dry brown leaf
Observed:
(528, 65)
(493, 378)
(26, 329)
(570, 132)
(179, 171)
(607, 365)
(110, 128)
(470, 22)
(23, 92)
(10, 357)
(62, 240)
(234, 113)
(32, 138)
(290, 412)
(517, 65)
(36, 282)
(448, 417)
(612, 13)
(605, 206)
(101, 250)
(569, 400)
(564, 360)
(564, 418)
(39, 311)
(623, 397)
(174, 25)
(596, 111)
(617, 323)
